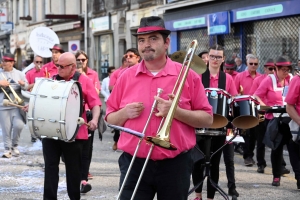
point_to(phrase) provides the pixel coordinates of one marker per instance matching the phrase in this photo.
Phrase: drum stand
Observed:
(207, 139)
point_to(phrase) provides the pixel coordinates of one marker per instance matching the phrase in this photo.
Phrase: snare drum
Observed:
(219, 100)
(244, 112)
(54, 108)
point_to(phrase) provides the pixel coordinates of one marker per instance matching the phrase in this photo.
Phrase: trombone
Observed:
(162, 139)
(17, 99)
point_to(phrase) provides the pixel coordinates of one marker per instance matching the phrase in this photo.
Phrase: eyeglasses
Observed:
(285, 70)
(4, 61)
(81, 60)
(129, 56)
(62, 67)
(229, 69)
(271, 68)
(38, 62)
(212, 57)
(253, 64)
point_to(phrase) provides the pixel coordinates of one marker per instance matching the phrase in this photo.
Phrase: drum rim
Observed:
(218, 89)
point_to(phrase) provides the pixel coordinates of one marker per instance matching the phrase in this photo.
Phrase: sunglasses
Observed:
(229, 69)
(62, 67)
(285, 70)
(39, 62)
(81, 60)
(129, 56)
(271, 68)
(253, 64)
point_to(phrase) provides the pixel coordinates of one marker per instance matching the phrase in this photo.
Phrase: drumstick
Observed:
(81, 121)
(8, 103)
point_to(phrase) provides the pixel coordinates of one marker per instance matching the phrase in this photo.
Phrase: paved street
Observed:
(22, 177)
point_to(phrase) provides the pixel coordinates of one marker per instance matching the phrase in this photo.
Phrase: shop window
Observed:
(120, 3)
(98, 6)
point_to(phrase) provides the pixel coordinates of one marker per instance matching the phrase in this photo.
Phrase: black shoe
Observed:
(33, 139)
(285, 171)
(233, 192)
(276, 182)
(261, 169)
(248, 162)
(85, 188)
(239, 150)
(253, 162)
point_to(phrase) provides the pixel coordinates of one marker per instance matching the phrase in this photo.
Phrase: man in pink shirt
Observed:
(293, 109)
(230, 68)
(130, 104)
(214, 77)
(34, 72)
(114, 76)
(50, 69)
(53, 149)
(243, 82)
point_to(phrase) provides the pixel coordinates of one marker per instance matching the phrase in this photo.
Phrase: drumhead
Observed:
(72, 110)
(245, 122)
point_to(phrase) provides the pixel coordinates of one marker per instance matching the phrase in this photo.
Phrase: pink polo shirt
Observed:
(51, 68)
(293, 95)
(114, 76)
(245, 80)
(93, 76)
(91, 98)
(266, 91)
(32, 74)
(230, 87)
(234, 74)
(257, 82)
(137, 84)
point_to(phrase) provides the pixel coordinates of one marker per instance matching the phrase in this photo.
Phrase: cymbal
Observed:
(197, 63)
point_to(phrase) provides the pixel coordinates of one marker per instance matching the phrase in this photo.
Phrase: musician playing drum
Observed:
(293, 109)
(214, 77)
(167, 172)
(271, 92)
(72, 151)
(11, 120)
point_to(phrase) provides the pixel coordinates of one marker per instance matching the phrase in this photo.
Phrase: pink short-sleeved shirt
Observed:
(137, 84)
(91, 98)
(293, 95)
(32, 74)
(230, 87)
(257, 82)
(234, 74)
(50, 68)
(266, 91)
(245, 80)
(93, 75)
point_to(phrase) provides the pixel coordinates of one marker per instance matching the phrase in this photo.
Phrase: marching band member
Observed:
(243, 82)
(270, 93)
(293, 109)
(11, 121)
(105, 83)
(132, 57)
(50, 69)
(204, 56)
(87, 147)
(34, 72)
(167, 172)
(214, 77)
(72, 151)
(230, 68)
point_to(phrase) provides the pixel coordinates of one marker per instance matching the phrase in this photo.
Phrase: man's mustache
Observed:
(148, 49)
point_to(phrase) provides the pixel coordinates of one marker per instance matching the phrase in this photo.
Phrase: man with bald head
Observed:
(53, 149)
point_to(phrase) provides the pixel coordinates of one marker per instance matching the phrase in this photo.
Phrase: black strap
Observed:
(221, 82)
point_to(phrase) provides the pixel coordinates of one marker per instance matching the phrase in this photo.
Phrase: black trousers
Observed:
(87, 149)
(294, 154)
(169, 178)
(198, 171)
(228, 155)
(52, 150)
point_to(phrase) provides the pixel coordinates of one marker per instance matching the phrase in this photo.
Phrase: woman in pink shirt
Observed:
(272, 90)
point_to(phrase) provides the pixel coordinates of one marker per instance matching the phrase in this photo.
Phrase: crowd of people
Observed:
(130, 92)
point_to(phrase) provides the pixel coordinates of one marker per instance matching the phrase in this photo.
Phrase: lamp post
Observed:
(85, 27)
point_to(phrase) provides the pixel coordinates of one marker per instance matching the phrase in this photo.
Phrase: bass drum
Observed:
(54, 108)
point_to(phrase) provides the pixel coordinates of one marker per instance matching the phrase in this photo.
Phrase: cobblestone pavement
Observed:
(22, 177)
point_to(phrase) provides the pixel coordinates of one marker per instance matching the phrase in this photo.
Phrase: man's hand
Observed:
(25, 108)
(133, 110)
(4, 83)
(93, 124)
(22, 83)
(163, 106)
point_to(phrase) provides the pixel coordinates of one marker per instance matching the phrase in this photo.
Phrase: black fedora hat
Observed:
(229, 64)
(58, 47)
(202, 52)
(152, 24)
(8, 57)
(284, 61)
(270, 63)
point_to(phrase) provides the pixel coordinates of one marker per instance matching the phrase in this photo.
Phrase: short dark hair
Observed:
(109, 69)
(79, 52)
(133, 50)
(216, 47)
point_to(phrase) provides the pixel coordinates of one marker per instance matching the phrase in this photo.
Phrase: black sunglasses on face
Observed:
(253, 64)
(271, 68)
(62, 67)
(39, 62)
(229, 69)
(82, 60)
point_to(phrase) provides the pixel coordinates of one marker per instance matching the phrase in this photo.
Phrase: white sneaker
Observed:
(15, 151)
(6, 154)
